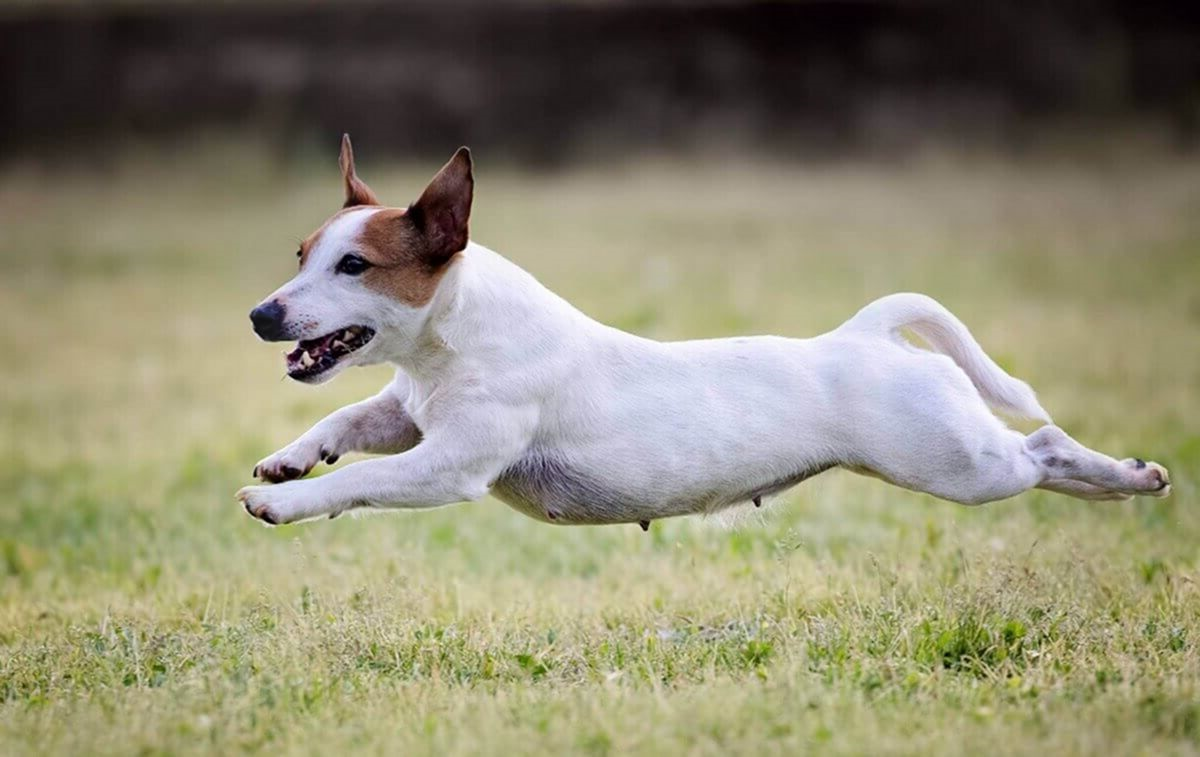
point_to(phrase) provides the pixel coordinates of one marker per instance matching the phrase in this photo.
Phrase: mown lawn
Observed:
(142, 612)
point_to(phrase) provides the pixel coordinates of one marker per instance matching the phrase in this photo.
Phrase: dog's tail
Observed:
(946, 334)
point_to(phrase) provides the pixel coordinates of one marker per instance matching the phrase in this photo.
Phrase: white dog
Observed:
(502, 387)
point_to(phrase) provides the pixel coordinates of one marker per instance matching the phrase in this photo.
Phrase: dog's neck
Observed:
(487, 311)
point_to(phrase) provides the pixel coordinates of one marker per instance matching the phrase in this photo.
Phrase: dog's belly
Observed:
(544, 487)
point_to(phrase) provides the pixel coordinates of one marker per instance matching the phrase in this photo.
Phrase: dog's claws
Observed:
(1164, 478)
(262, 513)
(331, 459)
(757, 500)
(645, 524)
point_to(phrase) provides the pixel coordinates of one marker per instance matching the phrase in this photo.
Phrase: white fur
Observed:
(502, 386)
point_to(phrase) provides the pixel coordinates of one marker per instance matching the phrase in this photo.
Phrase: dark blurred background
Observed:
(542, 82)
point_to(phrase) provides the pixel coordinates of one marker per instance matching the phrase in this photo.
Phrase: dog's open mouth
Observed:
(312, 357)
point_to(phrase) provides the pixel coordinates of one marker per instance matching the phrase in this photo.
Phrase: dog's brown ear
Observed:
(357, 192)
(444, 210)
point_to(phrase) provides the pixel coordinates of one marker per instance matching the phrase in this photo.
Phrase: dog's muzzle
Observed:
(268, 321)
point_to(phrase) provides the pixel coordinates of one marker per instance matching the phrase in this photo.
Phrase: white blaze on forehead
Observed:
(338, 238)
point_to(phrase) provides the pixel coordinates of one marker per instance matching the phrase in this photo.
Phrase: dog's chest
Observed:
(416, 400)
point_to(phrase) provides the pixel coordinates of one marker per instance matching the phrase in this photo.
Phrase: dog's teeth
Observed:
(306, 360)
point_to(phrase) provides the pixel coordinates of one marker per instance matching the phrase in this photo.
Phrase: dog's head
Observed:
(368, 274)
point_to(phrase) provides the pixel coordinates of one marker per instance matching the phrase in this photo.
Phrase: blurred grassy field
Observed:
(142, 612)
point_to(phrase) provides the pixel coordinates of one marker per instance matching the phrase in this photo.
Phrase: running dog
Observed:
(504, 388)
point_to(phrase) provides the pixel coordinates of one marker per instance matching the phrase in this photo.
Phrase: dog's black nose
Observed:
(268, 321)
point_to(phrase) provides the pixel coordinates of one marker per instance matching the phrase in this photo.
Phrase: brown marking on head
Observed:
(401, 265)
(410, 250)
(357, 192)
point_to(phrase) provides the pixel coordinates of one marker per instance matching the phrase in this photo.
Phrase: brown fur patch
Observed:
(398, 253)
(399, 257)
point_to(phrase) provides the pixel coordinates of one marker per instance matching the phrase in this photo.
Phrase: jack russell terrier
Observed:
(504, 388)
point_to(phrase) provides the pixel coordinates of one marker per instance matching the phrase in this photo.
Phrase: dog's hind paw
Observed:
(1152, 479)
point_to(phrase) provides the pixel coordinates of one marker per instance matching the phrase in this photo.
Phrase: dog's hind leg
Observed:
(934, 434)
(1080, 490)
(1004, 464)
(1071, 468)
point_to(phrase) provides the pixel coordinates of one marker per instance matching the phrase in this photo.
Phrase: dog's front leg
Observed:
(378, 425)
(428, 475)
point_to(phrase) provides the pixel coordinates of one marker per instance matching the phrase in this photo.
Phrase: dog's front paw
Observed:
(292, 462)
(273, 505)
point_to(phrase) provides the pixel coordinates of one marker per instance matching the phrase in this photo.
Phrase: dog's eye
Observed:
(352, 265)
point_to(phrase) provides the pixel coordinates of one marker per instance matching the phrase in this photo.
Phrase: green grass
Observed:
(142, 612)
